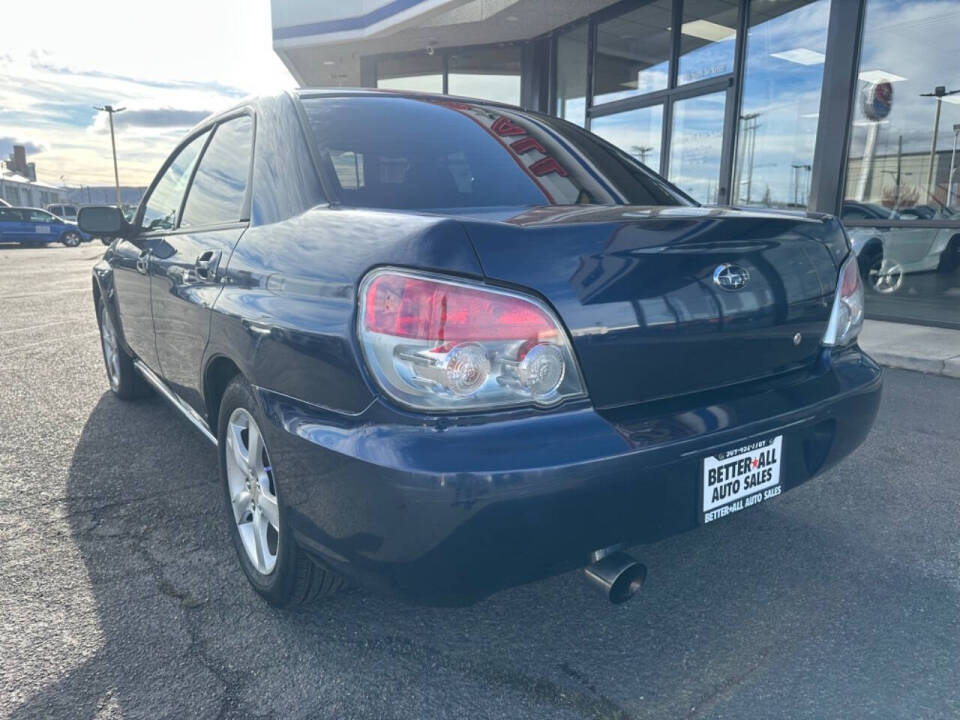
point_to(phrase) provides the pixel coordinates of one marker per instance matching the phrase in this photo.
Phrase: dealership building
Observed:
(850, 107)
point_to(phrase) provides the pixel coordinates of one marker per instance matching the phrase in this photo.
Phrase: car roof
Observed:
(305, 93)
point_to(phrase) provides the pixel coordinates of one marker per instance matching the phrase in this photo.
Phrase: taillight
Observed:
(846, 319)
(438, 344)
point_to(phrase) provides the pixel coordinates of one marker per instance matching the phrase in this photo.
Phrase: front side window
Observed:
(219, 187)
(41, 216)
(431, 154)
(163, 205)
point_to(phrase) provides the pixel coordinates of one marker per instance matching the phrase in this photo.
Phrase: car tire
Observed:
(125, 382)
(277, 568)
(71, 239)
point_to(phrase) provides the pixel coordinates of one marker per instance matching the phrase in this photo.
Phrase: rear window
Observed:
(433, 153)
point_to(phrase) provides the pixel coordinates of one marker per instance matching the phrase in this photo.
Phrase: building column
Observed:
(837, 99)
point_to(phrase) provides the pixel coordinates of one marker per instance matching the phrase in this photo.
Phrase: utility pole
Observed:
(953, 157)
(750, 126)
(110, 110)
(939, 92)
(641, 151)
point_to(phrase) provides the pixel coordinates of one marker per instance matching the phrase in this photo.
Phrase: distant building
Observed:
(19, 185)
(104, 195)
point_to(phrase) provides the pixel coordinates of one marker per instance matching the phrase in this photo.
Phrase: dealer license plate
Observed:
(741, 477)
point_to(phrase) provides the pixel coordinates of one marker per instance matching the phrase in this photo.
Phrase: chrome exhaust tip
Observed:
(616, 575)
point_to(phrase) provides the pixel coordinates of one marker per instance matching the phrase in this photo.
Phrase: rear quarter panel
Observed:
(287, 312)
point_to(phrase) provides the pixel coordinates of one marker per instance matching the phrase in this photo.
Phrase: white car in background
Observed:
(68, 211)
(888, 255)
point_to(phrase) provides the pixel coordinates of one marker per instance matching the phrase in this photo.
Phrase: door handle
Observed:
(143, 261)
(206, 264)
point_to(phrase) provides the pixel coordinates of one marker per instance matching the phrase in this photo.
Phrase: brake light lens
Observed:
(448, 345)
(846, 319)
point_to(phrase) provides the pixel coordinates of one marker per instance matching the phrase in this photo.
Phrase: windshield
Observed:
(437, 153)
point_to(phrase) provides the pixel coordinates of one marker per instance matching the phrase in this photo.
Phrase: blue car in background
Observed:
(33, 226)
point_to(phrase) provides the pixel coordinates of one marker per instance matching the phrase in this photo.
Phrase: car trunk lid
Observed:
(651, 297)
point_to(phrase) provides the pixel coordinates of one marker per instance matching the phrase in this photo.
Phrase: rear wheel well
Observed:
(218, 375)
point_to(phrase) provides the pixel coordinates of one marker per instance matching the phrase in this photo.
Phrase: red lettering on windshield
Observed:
(547, 165)
(505, 126)
(527, 144)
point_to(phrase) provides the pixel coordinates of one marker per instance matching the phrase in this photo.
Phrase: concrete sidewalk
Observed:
(913, 347)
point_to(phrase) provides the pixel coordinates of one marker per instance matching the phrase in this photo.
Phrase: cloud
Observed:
(160, 118)
(7, 143)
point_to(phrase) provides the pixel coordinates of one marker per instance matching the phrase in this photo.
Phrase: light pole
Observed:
(110, 110)
(953, 157)
(939, 92)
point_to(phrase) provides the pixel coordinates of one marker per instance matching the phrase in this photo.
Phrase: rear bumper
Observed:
(450, 512)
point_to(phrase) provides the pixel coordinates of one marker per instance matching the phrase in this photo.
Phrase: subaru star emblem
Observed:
(731, 277)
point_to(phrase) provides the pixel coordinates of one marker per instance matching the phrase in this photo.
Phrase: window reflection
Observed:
(633, 53)
(414, 73)
(164, 202)
(696, 145)
(637, 132)
(708, 38)
(900, 169)
(489, 74)
(219, 186)
(452, 154)
(783, 76)
(890, 161)
(572, 75)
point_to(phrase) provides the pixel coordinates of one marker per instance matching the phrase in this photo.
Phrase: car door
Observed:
(130, 258)
(11, 225)
(40, 226)
(184, 266)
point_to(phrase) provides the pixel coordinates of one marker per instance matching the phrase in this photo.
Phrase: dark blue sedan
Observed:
(33, 226)
(446, 346)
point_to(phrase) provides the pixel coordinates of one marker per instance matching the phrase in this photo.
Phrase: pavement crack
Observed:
(727, 687)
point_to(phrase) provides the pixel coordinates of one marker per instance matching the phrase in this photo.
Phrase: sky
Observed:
(170, 63)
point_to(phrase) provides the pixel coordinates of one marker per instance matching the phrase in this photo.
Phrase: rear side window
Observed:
(9, 215)
(164, 202)
(432, 153)
(220, 184)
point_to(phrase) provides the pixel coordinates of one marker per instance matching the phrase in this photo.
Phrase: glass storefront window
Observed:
(708, 39)
(783, 75)
(900, 169)
(636, 132)
(486, 73)
(415, 72)
(696, 145)
(890, 160)
(633, 53)
(572, 75)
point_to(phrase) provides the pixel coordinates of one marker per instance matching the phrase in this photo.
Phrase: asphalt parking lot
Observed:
(120, 595)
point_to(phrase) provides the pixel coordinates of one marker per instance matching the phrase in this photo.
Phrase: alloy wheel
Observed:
(71, 239)
(111, 350)
(886, 276)
(253, 493)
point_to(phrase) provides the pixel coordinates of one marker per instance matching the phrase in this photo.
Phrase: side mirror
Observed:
(103, 221)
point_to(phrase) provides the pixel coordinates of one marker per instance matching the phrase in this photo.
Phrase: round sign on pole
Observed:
(877, 100)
